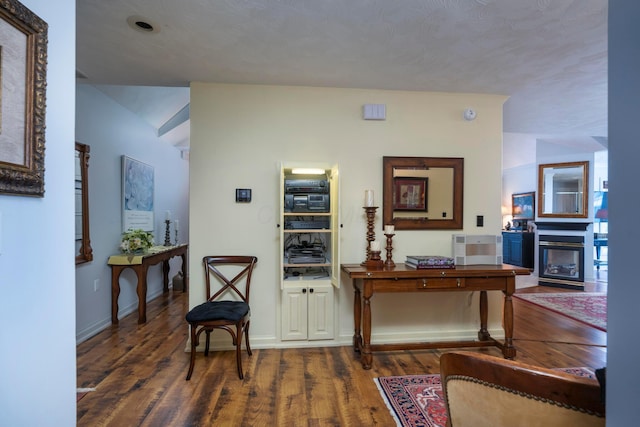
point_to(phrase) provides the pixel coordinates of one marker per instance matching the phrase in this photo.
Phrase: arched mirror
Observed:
(423, 193)
(84, 252)
(563, 190)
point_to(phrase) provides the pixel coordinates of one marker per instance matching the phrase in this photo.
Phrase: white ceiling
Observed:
(549, 56)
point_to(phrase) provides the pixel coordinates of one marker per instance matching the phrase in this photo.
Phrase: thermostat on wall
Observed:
(243, 195)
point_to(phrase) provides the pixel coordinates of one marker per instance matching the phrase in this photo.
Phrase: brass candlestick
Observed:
(371, 235)
(389, 262)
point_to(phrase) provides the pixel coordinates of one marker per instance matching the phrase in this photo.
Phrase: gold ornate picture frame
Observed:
(23, 71)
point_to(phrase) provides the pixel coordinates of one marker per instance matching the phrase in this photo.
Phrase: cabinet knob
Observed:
(304, 290)
(311, 290)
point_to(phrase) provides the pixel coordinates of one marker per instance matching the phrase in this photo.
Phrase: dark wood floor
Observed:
(139, 371)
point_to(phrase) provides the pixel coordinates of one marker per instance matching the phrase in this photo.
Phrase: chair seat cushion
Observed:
(218, 310)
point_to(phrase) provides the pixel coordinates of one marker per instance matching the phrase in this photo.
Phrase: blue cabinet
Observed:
(517, 248)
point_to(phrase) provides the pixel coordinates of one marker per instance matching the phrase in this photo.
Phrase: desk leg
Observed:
(508, 351)
(357, 318)
(141, 272)
(483, 334)
(365, 354)
(115, 292)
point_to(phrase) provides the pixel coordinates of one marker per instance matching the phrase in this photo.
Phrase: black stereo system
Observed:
(306, 193)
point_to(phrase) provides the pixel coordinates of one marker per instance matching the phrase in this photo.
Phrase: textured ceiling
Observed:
(549, 56)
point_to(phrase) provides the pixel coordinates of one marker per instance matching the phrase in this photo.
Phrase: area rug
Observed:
(589, 308)
(417, 401)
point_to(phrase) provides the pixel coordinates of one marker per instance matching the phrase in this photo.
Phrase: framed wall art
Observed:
(523, 205)
(410, 194)
(137, 195)
(23, 64)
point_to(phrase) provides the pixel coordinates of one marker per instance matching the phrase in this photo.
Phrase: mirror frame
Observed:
(86, 252)
(585, 181)
(390, 163)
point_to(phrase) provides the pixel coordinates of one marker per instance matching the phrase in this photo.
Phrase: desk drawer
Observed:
(421, 284)
(440, 283)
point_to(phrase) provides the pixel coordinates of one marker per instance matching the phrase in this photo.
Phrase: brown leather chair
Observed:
(226, 307)
(481, 390)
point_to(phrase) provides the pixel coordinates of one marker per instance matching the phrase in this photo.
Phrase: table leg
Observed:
(365, 354)
(357, 317)
(185, 276)
(141, 272)
(483, 334)
(508, 351)
(115, 292)
(165, 276)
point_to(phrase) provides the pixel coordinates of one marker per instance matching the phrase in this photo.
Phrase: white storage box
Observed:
(473, 250)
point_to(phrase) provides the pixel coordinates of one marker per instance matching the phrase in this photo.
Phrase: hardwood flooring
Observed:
(139, 372)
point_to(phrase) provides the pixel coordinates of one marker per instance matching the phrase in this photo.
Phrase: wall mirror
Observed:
(84, 252)
(563, 190)
(422, 193)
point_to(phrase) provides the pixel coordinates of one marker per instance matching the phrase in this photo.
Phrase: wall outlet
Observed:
(96, 285)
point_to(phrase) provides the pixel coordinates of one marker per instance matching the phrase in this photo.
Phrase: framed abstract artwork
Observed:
(523, 205)
(23, 65)
(137, 195)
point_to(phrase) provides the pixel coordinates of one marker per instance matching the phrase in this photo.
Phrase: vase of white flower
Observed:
(136, 241)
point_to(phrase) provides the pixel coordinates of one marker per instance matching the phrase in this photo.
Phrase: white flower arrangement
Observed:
(136, 241)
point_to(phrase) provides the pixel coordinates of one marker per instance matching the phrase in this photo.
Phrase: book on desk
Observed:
(429, 262)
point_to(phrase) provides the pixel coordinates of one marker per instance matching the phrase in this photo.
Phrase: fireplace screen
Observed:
(561, 261)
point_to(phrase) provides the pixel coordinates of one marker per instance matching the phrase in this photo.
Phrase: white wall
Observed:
(112, 131)
(623, 353)
(240, 133)
(37, 361)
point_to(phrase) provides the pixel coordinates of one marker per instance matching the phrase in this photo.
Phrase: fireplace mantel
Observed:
(562, 226)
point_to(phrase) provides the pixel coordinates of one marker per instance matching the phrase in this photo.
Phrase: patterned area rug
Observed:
(417, 401)
(589, 308)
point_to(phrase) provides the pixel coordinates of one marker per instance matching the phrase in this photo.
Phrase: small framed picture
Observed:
(523, 205)
(410, 194)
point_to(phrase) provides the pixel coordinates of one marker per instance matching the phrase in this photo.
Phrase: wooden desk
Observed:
(140, 264)
(402, 278)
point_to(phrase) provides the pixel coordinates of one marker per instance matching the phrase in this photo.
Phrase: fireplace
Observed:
(561, 261)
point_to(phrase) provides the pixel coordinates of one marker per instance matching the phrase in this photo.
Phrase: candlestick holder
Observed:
(374, 260)
(176, 234)
(371, 235)
(389, 261)
(167, 236)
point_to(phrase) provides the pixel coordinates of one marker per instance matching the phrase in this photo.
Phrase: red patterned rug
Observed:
(589, 308)
(417, 401)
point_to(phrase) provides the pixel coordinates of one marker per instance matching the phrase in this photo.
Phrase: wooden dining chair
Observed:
(228, 306)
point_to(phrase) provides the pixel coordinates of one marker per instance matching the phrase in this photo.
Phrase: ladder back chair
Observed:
(226, 307)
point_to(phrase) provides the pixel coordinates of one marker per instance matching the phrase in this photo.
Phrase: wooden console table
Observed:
(140, 264)
(401, 278)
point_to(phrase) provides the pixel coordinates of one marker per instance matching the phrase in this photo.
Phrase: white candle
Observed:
(388, 229)
(368, 198)
(375, 246)
(167, 216)
(176, 224)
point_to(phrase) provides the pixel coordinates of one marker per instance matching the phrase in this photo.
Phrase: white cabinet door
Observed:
(320, 304)
(294, 313)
